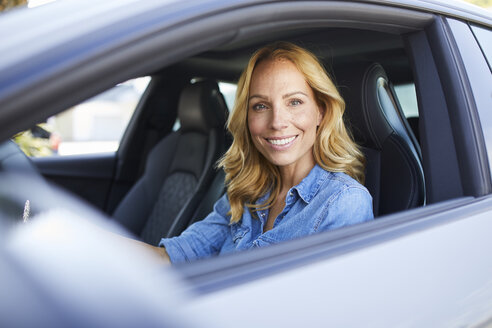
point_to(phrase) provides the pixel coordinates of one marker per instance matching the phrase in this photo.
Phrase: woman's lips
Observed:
(281, 142)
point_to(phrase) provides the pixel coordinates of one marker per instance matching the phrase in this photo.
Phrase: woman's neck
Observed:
(292, 175)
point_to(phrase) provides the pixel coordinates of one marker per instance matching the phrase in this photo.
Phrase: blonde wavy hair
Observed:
(248, 174)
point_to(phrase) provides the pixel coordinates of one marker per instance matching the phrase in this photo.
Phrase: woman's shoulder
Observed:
(346, 192)
(222, 205)
(324, 184)
(344, 179)
(339, 181)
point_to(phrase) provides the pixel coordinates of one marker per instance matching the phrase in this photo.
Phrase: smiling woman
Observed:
(283, 120)
(292, 169)
(329, 145)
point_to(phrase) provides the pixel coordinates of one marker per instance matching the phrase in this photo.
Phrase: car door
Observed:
(420, 267)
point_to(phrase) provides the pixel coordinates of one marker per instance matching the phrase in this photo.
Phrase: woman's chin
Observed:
(280, 161)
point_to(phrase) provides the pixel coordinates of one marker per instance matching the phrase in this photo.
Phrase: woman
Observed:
(292, 169)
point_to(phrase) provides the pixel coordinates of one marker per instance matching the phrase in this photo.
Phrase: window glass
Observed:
(484, 38)
(229, 92)
(93, 126)
(408, 99)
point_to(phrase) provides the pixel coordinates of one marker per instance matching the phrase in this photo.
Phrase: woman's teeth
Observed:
(280, 142)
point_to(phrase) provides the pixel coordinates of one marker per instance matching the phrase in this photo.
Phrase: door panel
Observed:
(90, 176)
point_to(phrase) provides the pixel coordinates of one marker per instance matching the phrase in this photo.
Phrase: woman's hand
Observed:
(159, 251)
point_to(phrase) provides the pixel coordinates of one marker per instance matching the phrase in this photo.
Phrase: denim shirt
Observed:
(321, 201)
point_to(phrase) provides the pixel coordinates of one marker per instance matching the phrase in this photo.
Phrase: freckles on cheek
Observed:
(300, 119)
(254, 126)
(305, 120)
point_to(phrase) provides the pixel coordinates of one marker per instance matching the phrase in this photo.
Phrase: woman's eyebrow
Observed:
(258, 96)
(287, 95)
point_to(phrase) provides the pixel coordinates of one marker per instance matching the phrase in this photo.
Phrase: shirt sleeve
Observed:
(350, 206)
(203, 238)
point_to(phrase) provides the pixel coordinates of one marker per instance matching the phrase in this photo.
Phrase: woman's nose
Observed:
(279, 118)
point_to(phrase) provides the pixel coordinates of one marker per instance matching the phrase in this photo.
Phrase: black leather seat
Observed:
(179, 169)
(394, 173)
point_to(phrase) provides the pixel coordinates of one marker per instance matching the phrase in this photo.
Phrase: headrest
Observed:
(372, 111)
(202, 107)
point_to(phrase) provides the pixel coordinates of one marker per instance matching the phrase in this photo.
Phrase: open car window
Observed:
(392, 48)
(432, 144)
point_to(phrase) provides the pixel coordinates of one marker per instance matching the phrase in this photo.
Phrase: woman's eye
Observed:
(259, 107)
(295, 102)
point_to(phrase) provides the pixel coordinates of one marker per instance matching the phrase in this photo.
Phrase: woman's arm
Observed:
(110, 236)
(202, 239)
(159, 251)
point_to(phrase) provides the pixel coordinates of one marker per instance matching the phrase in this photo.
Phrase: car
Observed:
(416, 78)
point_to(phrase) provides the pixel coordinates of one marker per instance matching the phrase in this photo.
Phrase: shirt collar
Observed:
(310, 185)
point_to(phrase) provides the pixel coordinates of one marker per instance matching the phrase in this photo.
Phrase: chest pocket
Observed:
(238, 232)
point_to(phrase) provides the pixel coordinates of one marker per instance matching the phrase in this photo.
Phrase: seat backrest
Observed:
(394, 173)
(179, 169)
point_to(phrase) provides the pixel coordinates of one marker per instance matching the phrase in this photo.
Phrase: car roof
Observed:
(73, 13)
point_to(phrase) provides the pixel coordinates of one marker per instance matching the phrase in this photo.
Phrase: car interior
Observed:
(179, 168)
(163, 178)
(409, 106)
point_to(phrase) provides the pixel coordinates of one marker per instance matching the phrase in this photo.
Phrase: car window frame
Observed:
(479, 32)
(475, 64)
(444, 88)
(91, 78)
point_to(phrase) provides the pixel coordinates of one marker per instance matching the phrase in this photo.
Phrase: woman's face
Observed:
(283, 114)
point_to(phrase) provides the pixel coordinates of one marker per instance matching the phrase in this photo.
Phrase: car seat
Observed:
(394, 173)
(179, 168)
